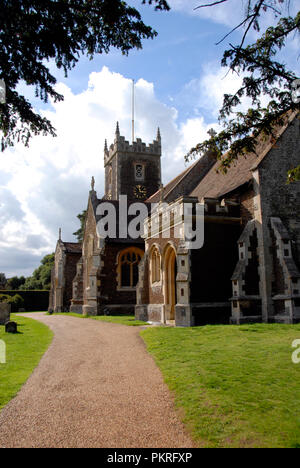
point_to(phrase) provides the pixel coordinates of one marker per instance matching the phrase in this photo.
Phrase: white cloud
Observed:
(46, 185)
(226, 13)
(207, 91)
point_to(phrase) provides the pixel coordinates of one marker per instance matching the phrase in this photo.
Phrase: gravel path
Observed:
(96, 386)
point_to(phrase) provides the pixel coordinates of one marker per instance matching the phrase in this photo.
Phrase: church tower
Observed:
(132, 169)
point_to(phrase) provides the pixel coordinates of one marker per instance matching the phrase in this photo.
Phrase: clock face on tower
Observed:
(139, 191)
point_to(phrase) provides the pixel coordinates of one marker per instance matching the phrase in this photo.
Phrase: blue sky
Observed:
(179, 87)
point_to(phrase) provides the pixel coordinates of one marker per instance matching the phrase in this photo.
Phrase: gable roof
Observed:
(186, 181)
(170, 185)
(73, 247)
(216, 184)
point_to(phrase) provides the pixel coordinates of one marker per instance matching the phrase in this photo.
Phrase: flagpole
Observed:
(132, 111)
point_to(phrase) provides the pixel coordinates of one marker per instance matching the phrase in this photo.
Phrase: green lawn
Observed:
(235, 386)
(23, 352)
(121, 319)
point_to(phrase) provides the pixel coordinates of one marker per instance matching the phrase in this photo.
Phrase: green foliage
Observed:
(80, 233)
(15, 301)
(264, 76)
(294, 174)
(4, 298)
(3, 280)
(15, 282)
(34, 300)
(41, 277)
(33, 32)
(236, 386)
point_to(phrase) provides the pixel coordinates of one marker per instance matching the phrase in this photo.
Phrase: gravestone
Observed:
(11, 327)
(4, 313)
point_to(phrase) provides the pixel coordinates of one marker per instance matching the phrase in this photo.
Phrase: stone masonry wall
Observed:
(90, 232)
(247, 206)
(70, 272)
(156, 292)
(279, 199)
(110, 294)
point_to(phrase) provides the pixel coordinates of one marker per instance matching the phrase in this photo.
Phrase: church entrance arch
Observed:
(170, 271)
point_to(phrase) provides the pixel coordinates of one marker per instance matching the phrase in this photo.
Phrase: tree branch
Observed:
(210, 4)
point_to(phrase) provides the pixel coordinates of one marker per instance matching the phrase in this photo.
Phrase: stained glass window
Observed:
(128, 267)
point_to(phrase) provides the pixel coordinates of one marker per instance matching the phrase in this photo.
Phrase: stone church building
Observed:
(246, 270)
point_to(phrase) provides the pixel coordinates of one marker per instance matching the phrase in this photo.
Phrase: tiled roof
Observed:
(215, 184)
(169, 187)
(73, 247)
(184, 183)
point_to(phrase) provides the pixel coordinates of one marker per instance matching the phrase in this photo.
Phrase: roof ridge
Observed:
(180, 176)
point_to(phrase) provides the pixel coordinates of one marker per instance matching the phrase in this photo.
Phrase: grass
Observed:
(235, 386)
(23, 352)
(128, 320)
(32, 312)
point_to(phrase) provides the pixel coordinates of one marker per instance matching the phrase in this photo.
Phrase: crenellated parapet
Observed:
(137, 147)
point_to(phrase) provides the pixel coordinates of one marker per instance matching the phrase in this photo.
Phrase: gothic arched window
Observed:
(128, 272)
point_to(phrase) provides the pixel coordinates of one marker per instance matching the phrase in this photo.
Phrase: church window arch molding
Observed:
(169, 280)
(128, 268)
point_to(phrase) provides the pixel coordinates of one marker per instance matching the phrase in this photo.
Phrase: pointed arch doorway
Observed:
(170, 272)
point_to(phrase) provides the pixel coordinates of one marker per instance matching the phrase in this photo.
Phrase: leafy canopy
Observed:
(264, 75)
(80, 232)
(3, 281)
(41, 277)
(34, 32)
(15, 282)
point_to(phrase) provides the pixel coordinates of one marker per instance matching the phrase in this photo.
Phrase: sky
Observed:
(179, 87)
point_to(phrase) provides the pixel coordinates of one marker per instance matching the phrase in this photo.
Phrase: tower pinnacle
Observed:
(117, 130)
(158, 135)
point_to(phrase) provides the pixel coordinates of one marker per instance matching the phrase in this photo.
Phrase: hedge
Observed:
(16, 301)
(33, 300)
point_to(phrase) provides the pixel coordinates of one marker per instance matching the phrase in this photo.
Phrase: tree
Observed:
(15, 282)
(264, 75)
(2, 281)
(79, 234)
(34, 32)
(41, 277)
